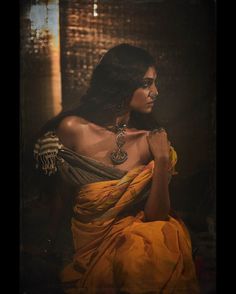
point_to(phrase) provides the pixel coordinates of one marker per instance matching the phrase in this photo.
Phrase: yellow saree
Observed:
(116, 250)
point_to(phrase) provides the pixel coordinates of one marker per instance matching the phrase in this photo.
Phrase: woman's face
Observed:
(141, 100)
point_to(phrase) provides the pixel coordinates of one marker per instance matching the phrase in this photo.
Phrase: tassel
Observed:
(46, 151)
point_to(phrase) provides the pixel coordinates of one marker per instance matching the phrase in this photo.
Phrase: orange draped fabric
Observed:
(117, 252)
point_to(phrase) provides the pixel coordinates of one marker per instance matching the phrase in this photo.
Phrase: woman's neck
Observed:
(108, 123)
(123, 119)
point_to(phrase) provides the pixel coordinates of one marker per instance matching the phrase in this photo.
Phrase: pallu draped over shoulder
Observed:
(116, 250)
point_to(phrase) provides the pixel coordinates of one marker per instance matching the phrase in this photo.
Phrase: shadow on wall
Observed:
(194, 199)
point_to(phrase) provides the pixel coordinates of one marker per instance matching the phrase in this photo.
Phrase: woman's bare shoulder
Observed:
(70, 123)
(68, 129)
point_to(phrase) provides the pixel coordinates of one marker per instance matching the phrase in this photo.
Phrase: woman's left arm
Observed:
(157, 206)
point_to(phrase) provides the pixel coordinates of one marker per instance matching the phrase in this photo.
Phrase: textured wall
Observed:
(40, 78)
(40, 65)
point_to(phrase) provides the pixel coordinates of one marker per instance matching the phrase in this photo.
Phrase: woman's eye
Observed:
(147, 83)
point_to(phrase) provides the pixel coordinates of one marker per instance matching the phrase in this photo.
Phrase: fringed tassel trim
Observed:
(45, 153)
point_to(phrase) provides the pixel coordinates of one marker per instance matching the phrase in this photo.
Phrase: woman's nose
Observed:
(154, 91)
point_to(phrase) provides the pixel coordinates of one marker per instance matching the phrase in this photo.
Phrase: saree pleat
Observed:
(116, 249)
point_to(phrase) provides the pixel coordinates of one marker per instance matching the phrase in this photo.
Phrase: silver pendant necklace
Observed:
(119, 156)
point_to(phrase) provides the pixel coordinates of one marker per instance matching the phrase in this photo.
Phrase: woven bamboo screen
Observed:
(89, 28)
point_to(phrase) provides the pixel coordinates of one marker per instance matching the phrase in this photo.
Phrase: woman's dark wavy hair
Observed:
(114, 80)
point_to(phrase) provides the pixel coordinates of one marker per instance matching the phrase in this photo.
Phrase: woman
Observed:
(118, 163)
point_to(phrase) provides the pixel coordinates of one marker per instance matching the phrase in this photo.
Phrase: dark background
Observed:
(180, 34)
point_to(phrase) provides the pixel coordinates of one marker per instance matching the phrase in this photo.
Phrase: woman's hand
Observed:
(159, 145)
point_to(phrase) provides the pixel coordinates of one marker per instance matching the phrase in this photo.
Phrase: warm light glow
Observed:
(56, 70)
(46, 18)
(95, 6)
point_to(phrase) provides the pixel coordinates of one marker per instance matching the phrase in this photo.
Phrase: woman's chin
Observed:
(148, 109)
